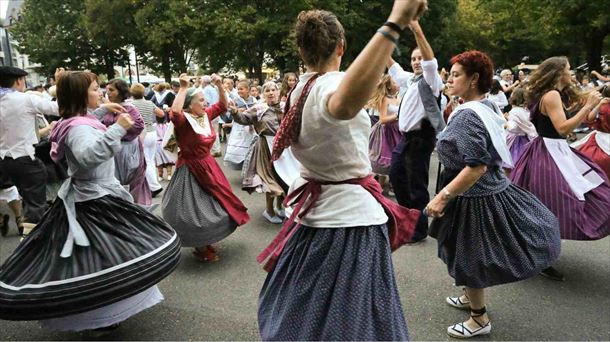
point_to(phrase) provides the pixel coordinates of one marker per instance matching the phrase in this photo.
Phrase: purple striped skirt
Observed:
(537, 172)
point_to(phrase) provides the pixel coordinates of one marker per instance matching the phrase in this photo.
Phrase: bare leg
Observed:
(477, 302)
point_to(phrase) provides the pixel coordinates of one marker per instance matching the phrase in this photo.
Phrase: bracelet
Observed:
(393, 26)
(389, 36)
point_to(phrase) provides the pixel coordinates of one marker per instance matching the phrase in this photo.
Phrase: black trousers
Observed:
(409, 173)
(30, 177)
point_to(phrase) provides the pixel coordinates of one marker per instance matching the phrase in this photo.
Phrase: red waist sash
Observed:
(401, 222)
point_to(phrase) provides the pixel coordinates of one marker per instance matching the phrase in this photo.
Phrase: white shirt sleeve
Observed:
(432, 76)
(400, 76)
(43, 106)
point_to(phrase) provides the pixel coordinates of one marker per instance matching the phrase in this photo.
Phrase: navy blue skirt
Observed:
(333, 284)
(496, 239)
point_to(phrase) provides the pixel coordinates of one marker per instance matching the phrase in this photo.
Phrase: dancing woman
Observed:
(330, 272)
(199, 202)
(130, 161)
(596, 145)
(518, 126)
(385, 134)
(259, 172)
(573, 187)
(95, 257)
(489, 231)
(241, 136)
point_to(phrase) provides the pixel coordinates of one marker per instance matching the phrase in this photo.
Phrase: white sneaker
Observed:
(460, 330)
(281, 213)
(273, 219)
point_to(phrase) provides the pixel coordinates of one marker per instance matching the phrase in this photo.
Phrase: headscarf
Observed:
(189, 97)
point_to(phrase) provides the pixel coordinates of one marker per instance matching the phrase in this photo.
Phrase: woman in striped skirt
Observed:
(573, 187)
(199, 202)
(95, 257)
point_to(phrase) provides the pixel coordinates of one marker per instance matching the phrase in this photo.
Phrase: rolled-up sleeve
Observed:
(399, 75)
(432, 76)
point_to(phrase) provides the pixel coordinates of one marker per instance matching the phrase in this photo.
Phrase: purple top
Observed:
(109, 118)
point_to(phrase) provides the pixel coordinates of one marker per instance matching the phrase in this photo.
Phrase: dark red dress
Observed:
(593, 147)
(200, 204)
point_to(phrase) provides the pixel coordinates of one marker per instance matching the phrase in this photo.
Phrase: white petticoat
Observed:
(106, 315)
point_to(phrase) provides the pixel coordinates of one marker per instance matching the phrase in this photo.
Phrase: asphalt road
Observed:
(218, 301)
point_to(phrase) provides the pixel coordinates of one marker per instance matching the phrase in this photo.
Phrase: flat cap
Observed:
(12, 71)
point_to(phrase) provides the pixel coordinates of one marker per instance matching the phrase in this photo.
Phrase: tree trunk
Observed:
(109, 67)
(594, 46)
(165, 67)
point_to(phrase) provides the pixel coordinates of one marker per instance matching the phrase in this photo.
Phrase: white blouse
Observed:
(334, 150)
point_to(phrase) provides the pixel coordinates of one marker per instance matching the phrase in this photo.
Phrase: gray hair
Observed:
(206, 79)
(270, 84)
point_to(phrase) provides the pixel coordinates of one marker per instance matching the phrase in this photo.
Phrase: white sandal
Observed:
(457, 302)
(460, 330)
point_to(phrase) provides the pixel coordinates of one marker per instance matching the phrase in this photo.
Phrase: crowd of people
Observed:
(330, 150)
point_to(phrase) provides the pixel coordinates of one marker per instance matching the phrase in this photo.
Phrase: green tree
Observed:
(54, 35)
(110, 28)
(170, 32)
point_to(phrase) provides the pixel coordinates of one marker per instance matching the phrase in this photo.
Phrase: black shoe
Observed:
(156, 192)
(553, 274)
(4, 227)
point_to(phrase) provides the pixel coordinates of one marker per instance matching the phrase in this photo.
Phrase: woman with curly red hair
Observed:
(489, 231)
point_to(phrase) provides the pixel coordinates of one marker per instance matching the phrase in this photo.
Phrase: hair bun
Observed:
(317, 33)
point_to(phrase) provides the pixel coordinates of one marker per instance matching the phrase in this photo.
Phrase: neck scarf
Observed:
(290, 127)
(63, 127)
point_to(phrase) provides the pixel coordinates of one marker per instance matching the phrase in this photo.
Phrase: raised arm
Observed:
(176, 108)
(356, 87)
(398, 74)
(422, 43)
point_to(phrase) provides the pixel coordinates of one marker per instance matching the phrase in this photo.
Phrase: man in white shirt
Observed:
(18, 137)
(419, 120)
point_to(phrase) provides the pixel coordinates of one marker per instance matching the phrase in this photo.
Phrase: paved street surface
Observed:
(218, 301)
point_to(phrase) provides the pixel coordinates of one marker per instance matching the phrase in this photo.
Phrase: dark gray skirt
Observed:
(196, 216)
(131, 250)
(496, 239)
(333, 284)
